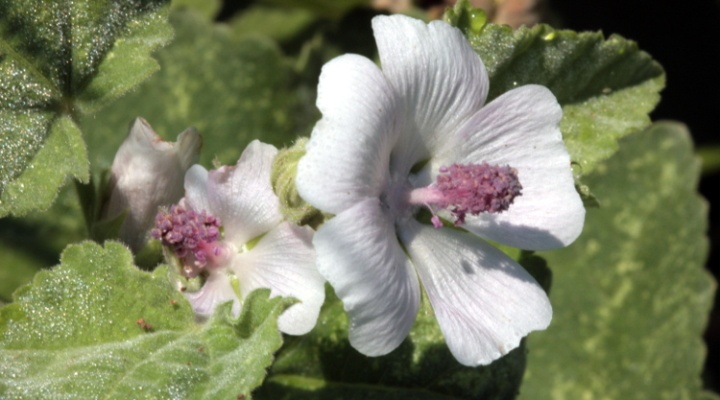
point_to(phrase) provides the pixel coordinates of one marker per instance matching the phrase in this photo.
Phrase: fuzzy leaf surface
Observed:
(607, 87)
(231, 90)
(96, 327)
(631, 295)
(60, 60)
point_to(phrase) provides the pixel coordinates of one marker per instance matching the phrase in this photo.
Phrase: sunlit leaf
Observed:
(97, 327)
(58, 61)
(231, 90)
(631, 296)
(607, 87)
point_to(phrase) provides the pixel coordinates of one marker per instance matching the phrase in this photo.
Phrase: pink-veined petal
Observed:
(349, 151)
(485, 303)
(242, 196)
(284, 261)
(520, 129)
(360, 256)
(216, 290)
(439, 78)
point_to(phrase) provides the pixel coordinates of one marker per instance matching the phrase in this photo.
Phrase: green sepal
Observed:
(282, 177)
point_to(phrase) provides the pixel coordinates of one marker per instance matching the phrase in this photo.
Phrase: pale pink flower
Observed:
(228, 227)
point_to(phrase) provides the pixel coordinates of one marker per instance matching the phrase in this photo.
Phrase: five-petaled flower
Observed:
(417, 135)
(228, 228)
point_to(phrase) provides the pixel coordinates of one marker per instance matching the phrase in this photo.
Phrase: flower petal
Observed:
(216, 290)
(436, 73)
(196, 196)
(242, 197)
(484, 301)
(284, 261)
(359, 255)
(349, 151)
(520, 129)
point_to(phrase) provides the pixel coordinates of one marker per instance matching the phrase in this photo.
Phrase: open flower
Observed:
(147, 173)
(416, 136)
(256, 248)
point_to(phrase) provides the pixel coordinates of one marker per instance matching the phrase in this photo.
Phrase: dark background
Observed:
(683, 36)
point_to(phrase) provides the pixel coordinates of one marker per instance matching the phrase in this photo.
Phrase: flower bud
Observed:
(282, 178)
(147, 173)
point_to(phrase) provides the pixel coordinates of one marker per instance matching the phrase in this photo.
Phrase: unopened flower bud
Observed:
(147, 173)
(282, 177)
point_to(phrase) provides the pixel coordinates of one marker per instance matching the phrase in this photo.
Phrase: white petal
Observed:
(284, 261)
(242, 197)
(349, 151)
(216, 290)
(196, 183)
(484, 302)
(359, 255)
(520, 129)
(438, 76)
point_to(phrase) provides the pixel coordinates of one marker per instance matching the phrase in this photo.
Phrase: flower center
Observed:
(469, 189)
(193, 237)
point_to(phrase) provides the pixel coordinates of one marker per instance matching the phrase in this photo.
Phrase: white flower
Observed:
(386, 141)
(256, 248)
(147, 173)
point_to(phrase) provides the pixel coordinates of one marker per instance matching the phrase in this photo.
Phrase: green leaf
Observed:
(325, 8)
(322, 365)
(97, 327)
(35, 241)
(631, 296)
(62, 154)
(470, 20)
(283, 24)
(60, 60)
(231, 90)
(208, 8)
(606, 87)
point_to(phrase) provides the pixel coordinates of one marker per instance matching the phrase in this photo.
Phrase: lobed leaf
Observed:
(231, 90)
(282, 24)
(207, 8)
(607, 87)
(631, 296)
(35, 241)
(60, 60)
(97, 327)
